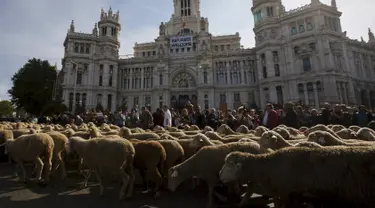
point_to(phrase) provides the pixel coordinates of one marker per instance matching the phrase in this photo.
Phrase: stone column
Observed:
(142, 78)
(316, 96)
(131, 79)
(306, 94)
(242, 72)
(228, 73)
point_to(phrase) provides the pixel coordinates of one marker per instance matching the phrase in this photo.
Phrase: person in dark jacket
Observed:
(290, 119)
(146, 119)
(200, 118)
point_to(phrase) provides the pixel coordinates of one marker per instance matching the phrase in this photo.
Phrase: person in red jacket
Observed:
(270, 118)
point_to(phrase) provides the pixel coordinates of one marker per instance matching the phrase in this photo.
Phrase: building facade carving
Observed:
(300, 55)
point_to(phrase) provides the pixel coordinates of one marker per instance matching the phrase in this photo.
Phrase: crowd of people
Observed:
(290, 114)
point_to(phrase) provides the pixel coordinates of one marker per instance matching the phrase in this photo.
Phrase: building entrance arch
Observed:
(183, 91)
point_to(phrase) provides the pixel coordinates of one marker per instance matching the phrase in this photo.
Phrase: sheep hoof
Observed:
(146, 192)
(157, 195)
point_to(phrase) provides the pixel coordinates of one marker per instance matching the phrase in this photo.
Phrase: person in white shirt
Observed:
(167, 117)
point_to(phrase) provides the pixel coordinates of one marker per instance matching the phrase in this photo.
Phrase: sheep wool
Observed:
(321, 173)
(197, 165)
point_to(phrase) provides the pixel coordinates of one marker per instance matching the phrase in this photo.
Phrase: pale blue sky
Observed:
(38, 29)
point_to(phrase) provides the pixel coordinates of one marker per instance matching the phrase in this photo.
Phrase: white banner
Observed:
(181, 42)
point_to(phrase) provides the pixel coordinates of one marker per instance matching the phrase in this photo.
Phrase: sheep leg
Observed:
(47, 168)
(211, 191)
(87, 176)
(80, 166)
(24, 176)
(60, 163)
(125, 182)
(131, 180)
(246, 197)
(101, 192)
(156, 176)
(39, 169)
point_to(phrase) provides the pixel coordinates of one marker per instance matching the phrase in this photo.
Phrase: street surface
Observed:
(66, 194)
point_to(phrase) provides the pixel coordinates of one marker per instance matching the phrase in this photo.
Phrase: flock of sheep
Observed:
(287, 166)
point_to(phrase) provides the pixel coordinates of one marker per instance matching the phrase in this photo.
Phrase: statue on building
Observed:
(370, 35)
(204, 47)
(162, 29)
(95, 30)
(102, 14)
(72, 28)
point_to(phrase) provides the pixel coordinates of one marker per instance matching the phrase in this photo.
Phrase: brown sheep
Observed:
(175, 155)
(149, 158)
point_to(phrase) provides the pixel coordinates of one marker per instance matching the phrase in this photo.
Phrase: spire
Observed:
(118, 15)
(72, 28)
(371, 36)
(333, 4)
(362, 39)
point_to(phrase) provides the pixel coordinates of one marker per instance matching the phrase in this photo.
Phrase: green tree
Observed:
(33, 86)
(6, 108)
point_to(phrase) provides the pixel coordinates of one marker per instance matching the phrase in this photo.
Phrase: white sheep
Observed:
(102, 154)
(37, 148)
(319, 172)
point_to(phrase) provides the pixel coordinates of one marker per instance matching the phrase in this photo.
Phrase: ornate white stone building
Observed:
(300, 55)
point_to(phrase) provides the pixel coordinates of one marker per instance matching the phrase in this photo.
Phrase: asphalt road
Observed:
(66, 194)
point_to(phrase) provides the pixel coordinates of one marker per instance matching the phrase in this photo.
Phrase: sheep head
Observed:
(260, 130)
(232, 167)
(175, 178)
(200, 140)
(125, 132)
(283, 132)
(318, 137)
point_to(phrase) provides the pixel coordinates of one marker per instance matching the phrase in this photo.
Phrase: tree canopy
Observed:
(33, 86)
(6, 108)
